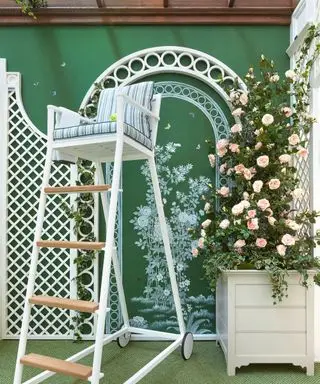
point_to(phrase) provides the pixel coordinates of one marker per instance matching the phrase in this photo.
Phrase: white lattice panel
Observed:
(25, 161)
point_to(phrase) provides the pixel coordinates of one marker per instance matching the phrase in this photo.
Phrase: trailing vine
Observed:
(28, 6)
(81, 214)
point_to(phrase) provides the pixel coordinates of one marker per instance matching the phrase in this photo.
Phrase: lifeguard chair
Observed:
(124, 129)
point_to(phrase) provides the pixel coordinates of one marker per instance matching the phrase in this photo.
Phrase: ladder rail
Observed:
(35, 253)
(115, 261)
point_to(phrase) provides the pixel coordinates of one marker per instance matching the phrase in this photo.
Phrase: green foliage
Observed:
(257, 222)
(83, 229)
(28, 6)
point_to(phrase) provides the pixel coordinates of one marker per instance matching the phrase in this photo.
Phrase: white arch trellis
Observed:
(17, 131)
(159, 60)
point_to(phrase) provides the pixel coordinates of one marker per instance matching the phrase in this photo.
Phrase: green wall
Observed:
(59, 63)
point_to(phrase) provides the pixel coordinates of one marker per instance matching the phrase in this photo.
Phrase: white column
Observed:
(3, 189)
(315, 200)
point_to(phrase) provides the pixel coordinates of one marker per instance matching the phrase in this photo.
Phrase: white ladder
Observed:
(69, 366)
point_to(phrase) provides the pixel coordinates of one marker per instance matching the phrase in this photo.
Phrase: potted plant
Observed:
(255, 243)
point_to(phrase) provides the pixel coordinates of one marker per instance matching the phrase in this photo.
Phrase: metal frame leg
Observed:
(104, 292)
(166, 243)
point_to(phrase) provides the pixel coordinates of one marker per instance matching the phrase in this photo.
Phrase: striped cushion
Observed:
(137, 124)
(101, 128)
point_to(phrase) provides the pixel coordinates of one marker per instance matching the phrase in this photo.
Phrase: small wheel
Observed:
(124, 339)
(187, 346)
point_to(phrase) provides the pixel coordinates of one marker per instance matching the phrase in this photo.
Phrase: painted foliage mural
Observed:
(188, 117)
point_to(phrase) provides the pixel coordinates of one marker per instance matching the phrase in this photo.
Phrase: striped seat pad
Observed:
(137, 124)
(100, 129)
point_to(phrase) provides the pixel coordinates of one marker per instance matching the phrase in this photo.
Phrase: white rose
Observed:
(207, 207)
(288, 239)
(236, 128)
(224, 224)
(294, 139)
(284, 158)
(245, 203)
(244, 98)
(263, 161)
(297, 193)
(203, 233)
(246, 195)
(290, 74)
(271, 220)
(237, 112)
(212, 159)
(274, 78)
(237, 209)
(267, 119)
(281, 249)
(257, 185)
(206, 223)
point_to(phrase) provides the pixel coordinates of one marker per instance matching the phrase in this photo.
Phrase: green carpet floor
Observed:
(206, 366)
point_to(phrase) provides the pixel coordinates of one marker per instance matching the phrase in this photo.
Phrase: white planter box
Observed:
(251, 329)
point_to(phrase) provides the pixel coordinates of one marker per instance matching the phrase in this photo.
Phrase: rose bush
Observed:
(256, 222)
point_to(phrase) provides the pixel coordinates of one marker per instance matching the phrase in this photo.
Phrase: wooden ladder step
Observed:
(89, 245)
(79, 371)
(58, 302)
(78, 189)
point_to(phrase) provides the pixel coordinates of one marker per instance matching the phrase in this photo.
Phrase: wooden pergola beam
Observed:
(231, 3)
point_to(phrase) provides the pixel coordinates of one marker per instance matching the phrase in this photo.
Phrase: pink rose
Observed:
(294, 139)
(303, 152)
(258, 145)
(237, 112)
(223, 191)
(287, 111)
(239, 168)
(261, 243)
(253, 170)
(281, 249)
(212, 159)
(284, 159)
(263, 161)
(274, 184)
(253, 224)
(247, 174)
(257, 186)
(239, 244)
(234, 148)
(195, 252)
(288, 240)
(201, 242)
(236, 128)
(222, 152)
(263, 204)
(222, 143)
(252, 213)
